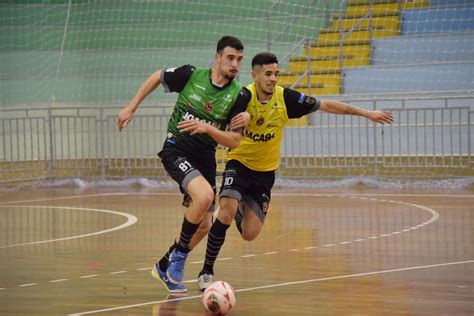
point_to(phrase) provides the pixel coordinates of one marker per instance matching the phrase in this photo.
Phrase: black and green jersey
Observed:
(199, 99)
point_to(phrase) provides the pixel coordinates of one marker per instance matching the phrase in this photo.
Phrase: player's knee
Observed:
(249, 236)
(250, 232)
(226, 213)
(204, 200)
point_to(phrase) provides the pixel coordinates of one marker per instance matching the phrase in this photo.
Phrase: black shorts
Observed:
(249, 186)
(184, 167)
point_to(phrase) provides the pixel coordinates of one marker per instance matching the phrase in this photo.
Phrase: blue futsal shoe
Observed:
(170, 286)
(176, 266)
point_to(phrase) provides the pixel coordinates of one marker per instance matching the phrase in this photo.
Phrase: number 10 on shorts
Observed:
(228, 181)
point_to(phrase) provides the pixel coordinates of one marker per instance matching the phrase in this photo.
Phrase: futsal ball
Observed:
(219, 298)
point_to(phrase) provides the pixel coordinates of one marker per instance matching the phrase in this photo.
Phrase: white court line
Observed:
(361, 196)
(347, 276)
(434, 218)
(433, 212)
(224, 259)
(248, 256)
(190, 281)
(282, 235)
(29, 284)
(131, 219)
(270, 253)
(118, 272)
(58, 280)
(63, 198)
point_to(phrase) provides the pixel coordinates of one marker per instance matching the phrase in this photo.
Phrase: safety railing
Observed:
(424, 141)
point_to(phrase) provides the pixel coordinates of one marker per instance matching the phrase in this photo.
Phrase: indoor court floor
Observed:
(359, 251)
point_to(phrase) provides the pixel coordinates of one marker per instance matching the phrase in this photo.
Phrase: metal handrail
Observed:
(306, 73)
(342, 35)
(295, 47)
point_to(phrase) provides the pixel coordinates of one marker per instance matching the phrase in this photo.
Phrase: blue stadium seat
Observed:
(449, 47)
(436, 20)
(409, 78)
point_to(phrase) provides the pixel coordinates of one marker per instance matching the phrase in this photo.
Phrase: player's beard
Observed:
(231, 75)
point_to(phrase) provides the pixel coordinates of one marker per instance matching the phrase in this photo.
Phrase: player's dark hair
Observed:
(230, 41)
(264, 58)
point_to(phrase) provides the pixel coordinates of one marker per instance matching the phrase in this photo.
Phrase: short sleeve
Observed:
(299, 104)
(174, 79)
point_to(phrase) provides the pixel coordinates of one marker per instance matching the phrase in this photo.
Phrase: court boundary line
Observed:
(347, 276)
(131, 220)
(273, 194)
(435, 217)
(340, 195)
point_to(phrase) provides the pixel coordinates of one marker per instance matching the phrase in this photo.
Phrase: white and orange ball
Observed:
(219, 298)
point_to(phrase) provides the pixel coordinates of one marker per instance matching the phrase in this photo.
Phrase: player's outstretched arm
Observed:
(228, 139)
(126, 114)
(336, 107)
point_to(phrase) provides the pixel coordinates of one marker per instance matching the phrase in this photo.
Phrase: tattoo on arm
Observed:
(351, 110)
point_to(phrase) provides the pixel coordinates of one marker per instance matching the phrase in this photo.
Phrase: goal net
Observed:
(68, 67)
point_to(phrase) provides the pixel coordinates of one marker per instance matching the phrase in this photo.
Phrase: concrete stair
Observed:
(345, 44)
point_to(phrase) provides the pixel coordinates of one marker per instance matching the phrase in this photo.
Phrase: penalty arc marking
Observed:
(131, 220)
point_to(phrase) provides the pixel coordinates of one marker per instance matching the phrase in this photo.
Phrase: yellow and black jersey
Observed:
(259, 149)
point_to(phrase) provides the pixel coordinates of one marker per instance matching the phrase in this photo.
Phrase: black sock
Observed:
(215, 240)
(238, 221)
(163, 263)
(187, 231)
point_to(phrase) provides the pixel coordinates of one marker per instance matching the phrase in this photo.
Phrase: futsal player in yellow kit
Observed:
(250, 169)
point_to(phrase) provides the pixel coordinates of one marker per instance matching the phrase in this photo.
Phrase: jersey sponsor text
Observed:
(189, 116)
(260, 137)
